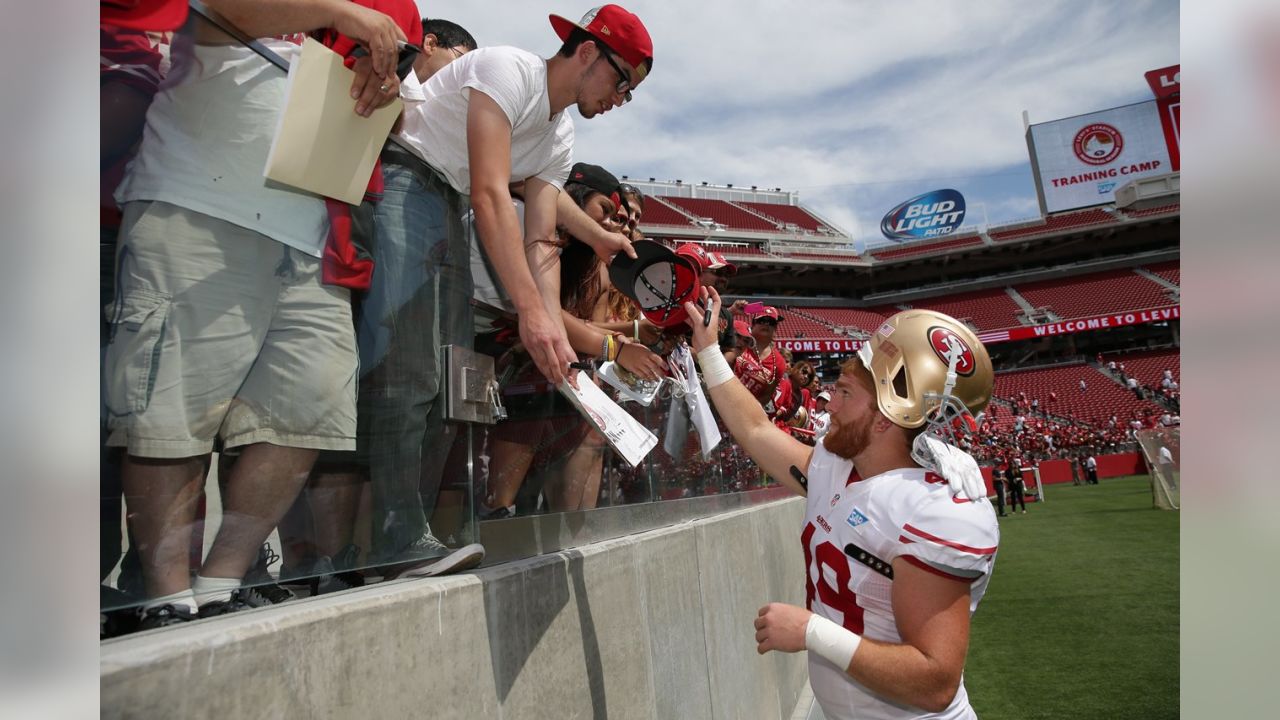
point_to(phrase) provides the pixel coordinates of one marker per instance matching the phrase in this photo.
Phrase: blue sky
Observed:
(857, 105)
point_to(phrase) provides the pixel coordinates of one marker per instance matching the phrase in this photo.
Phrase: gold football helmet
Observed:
(928, 367)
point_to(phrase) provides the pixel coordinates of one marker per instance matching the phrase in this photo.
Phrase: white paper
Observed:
(625, 434)
(321, 145)
(704, 420)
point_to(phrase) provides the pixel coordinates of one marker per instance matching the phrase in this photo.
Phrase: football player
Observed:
(899, 539)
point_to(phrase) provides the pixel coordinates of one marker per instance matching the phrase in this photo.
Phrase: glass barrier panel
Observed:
(273, 418)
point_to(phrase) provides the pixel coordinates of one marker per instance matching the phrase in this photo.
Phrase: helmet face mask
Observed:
(928, 368)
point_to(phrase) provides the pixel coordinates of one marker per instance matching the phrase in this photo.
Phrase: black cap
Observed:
(658, 280)
(594, 177)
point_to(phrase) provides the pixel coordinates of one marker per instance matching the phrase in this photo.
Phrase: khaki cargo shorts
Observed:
(219, 331)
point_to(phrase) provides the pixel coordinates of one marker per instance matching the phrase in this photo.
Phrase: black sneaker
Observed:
(262, 588)
(337, 573)
(237, 602)
(164, 616)
(268, 594)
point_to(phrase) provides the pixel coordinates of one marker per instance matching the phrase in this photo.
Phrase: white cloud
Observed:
(851, 102)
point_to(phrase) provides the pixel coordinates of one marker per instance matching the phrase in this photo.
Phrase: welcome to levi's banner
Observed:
(841, 345)
(1067, 327)
(989, 337)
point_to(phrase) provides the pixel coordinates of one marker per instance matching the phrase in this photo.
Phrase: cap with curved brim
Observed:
(618, 28)
(658, 280)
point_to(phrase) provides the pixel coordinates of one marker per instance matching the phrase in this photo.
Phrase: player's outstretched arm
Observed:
(932, 614)
(771, 448)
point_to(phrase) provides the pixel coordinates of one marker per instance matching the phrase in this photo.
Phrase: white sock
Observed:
(182, 598)
(209, 589)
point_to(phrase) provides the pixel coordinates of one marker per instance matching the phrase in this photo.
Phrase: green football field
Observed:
(1081, 617)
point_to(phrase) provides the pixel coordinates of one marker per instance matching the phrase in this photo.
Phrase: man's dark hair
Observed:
(576, 37)
(448, 34)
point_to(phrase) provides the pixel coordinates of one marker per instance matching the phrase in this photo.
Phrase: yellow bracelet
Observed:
(635, 329)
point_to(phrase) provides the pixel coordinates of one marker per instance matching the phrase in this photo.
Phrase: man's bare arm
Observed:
(924, 670)
(489, 151)
(772, 449)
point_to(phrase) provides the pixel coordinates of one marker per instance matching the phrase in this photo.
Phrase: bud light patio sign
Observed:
(932, 214)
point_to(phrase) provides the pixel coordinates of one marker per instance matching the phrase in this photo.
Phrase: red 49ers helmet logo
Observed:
(946, 343)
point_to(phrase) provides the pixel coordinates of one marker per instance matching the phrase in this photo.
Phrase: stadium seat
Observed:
(897, 252)
(990, 309)
(724, 213)
(789, 214)
(1096, 294)
(1056, 223)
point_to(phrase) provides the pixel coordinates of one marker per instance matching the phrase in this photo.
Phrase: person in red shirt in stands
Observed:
(763, 327)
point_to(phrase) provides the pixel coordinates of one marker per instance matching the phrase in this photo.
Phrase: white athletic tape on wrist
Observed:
(831, 641)
(715, 369)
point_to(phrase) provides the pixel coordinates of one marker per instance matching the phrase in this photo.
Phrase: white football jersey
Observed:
(907, 512)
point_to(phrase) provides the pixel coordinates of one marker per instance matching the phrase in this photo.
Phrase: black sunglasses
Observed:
(623, 87)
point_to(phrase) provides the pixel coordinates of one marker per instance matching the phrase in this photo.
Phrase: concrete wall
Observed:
(652, 625)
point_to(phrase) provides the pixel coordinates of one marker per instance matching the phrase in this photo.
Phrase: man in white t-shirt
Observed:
(897, 555)
(496, 117)
(487, 119)
(221, 329)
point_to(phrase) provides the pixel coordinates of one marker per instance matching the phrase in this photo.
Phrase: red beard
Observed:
(848, 441)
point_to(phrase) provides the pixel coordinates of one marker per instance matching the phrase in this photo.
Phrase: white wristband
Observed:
(831, 641)
(715, 369)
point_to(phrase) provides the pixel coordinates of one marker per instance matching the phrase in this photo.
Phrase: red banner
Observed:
(1166, 83)
(1101, 322)
(841, 345)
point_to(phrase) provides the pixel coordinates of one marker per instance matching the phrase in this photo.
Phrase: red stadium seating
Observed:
(921, 248)
(1056, 223)
(863, 319)
(738, 250)
(724, 213)
(1101, 398)
(656, 212)
(788, 214)
(1096, 294)
(822, 256)
(1171, 271)
(987, 309)
(1149, 212)
(1148, 367)
(796, 325)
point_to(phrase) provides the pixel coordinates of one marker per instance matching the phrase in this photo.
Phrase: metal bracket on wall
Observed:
(471, 390)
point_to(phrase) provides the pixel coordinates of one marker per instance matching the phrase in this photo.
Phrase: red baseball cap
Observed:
(696, 253)
(768, 313)
(705, 259)
(144, 14)
(617, 28)
(658, 280)
(718, 261)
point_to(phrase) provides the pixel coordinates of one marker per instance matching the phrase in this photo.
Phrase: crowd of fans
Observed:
(298, 339)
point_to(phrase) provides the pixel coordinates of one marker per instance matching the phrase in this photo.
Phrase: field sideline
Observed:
(1081, 618)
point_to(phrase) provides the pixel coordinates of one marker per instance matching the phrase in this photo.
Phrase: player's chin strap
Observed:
(937, 447)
